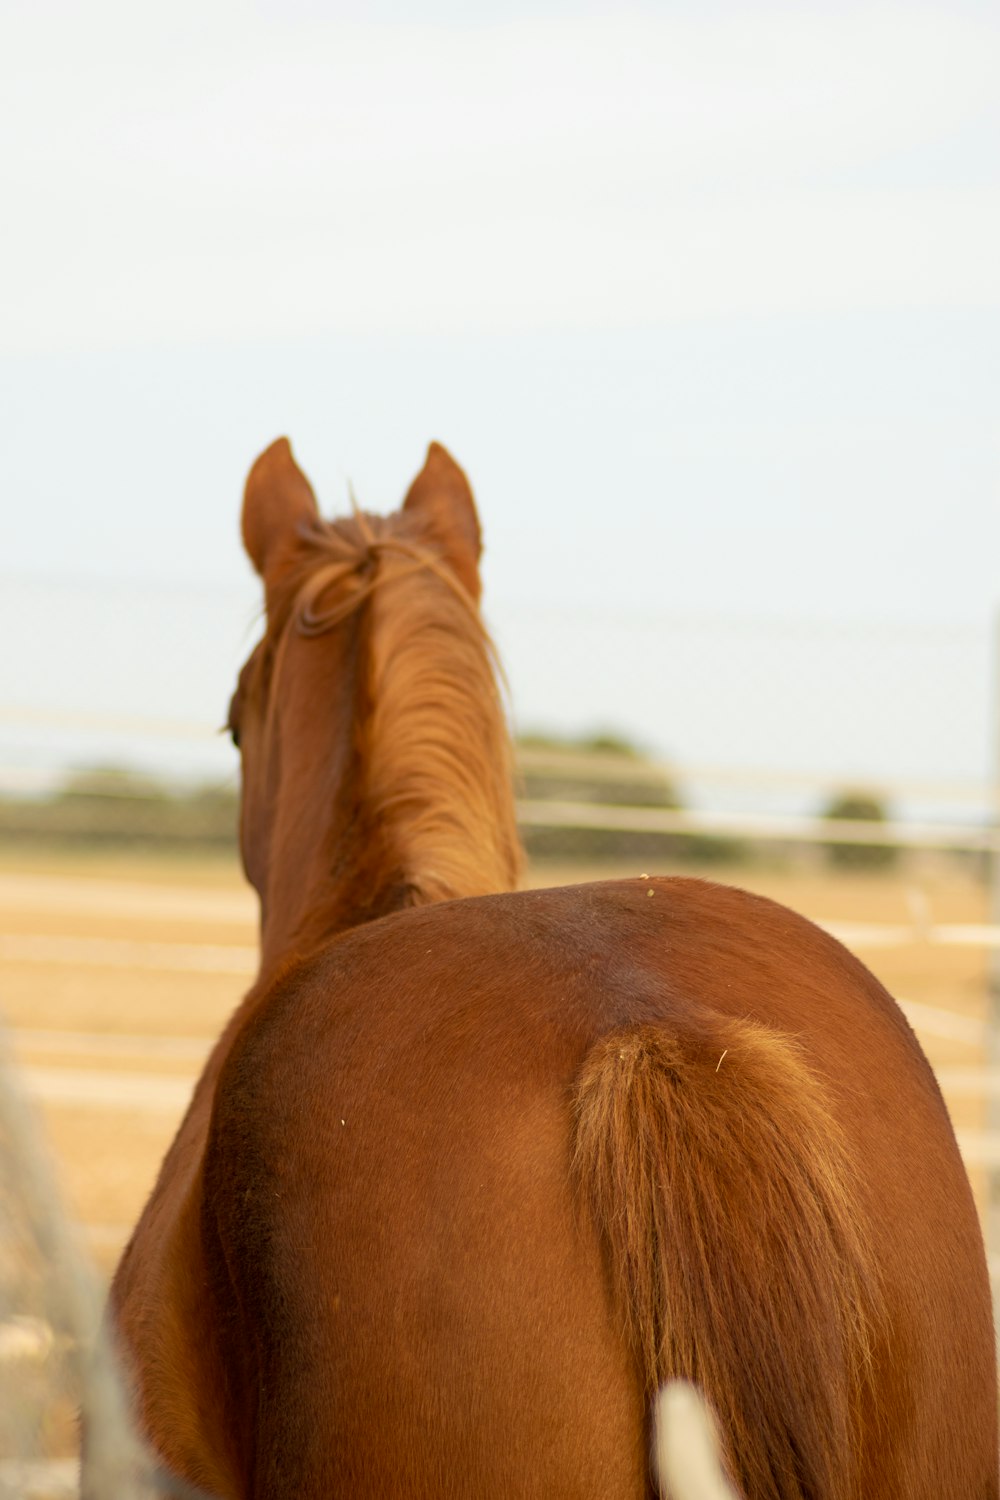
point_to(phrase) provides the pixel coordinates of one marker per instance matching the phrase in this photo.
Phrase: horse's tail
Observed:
(723, 1188)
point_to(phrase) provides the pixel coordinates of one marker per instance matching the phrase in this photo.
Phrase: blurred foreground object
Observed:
(55, 1360)
(688, 1461)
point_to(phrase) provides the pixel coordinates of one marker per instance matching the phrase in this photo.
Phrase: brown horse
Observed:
(470, 1173)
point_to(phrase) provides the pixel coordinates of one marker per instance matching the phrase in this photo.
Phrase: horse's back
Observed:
(391, 1202)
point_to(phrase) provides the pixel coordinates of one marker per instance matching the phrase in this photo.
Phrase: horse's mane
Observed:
(433, 756)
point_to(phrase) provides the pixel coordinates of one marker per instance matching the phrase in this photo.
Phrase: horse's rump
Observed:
(443, 1141)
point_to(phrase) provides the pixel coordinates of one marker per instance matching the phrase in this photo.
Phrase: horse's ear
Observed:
(277, 500)
(441, 497)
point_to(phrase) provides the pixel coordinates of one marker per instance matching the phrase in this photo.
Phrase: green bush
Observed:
(858, 806)
(111, 806)
(603, 773)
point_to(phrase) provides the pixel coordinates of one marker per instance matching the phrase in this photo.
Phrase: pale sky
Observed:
(705, 298)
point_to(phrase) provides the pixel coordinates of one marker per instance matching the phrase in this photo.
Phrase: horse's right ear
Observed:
(277, 500)
(441, 497)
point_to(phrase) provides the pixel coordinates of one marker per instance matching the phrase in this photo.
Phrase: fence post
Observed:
(993, 981)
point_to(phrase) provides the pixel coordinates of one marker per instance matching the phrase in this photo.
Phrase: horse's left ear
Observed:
(277, 502)
(441, 497)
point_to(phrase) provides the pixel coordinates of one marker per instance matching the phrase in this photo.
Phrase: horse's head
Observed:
(376, 764)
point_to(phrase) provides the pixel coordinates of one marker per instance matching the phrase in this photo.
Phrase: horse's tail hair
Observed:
(723, 1189)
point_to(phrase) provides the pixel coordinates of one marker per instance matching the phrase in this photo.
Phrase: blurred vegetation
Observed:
(110, 806)
(605, 769)
(858, 806)
(113, 806)
(600, 742)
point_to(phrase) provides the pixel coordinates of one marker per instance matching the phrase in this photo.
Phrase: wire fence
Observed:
(870, 700)
(567, 794)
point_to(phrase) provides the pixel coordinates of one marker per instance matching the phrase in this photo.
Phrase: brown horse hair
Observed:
(431, 746)
(724, 1191)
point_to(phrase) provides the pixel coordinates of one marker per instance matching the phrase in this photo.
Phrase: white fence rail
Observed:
(621, 817)
(978, 833)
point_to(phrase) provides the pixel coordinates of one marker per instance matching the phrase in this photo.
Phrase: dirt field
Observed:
(117, 973)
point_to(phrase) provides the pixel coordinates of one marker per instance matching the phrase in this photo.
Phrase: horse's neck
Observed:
(415, 805)
(378, 871)
(303, 908)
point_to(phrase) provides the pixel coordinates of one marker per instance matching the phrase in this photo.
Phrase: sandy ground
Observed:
(118, 972)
